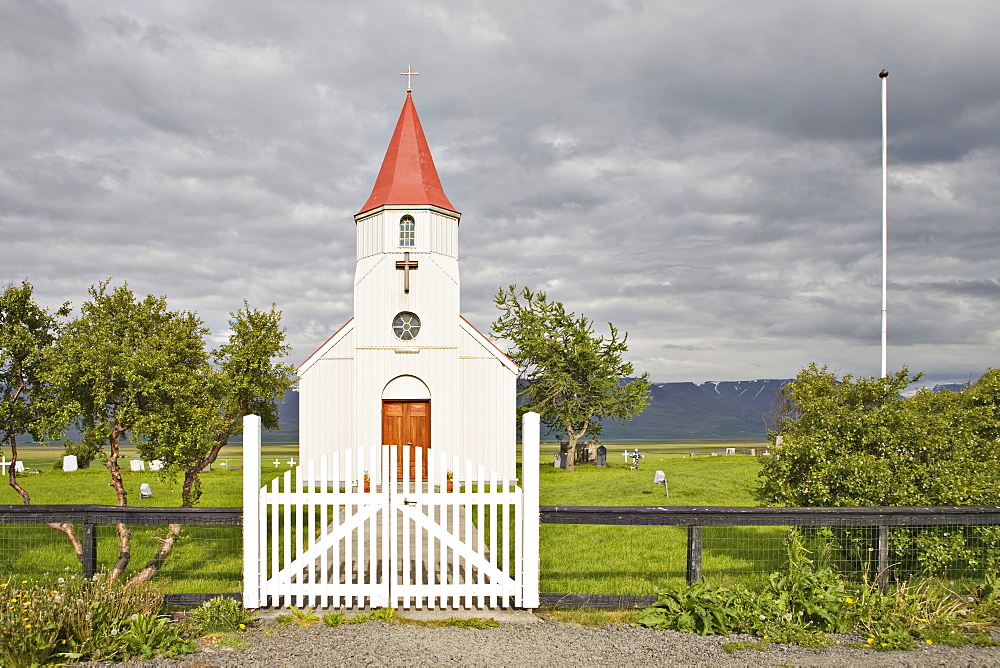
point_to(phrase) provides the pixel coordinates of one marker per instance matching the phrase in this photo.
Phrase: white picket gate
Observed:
(357, 530)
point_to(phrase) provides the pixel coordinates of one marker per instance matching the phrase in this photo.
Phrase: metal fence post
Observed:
(882, 557)
(693, 554)
(251, 509)
(530, 441)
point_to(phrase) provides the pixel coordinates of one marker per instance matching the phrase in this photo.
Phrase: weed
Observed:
(76, 619)
(302, 618)
(332, 619)
(218, 615)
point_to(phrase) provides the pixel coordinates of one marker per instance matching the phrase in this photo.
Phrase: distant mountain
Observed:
(731, 409)
(728, 409)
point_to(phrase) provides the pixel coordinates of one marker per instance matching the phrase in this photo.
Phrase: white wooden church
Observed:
(408, 370)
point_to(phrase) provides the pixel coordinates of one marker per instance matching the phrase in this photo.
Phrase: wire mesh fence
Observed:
(637, 552)
(206, 557)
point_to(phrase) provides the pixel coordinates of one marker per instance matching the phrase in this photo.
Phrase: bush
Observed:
(861, 442)
(73, 619)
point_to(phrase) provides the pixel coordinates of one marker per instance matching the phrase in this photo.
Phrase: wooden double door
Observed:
(407, 425)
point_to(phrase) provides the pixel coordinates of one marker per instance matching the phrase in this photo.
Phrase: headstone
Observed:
(291, 462)
(145, 491)
(276, 462)
(753, 452)
(4, 464)
(602, 456)
(155, 465)
(70, 463)
(730, 451)
(659, 477)
(19, 466)
(559, 460)
(138, 465)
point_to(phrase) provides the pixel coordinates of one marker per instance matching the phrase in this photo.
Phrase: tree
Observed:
(121, 368)
(573, 379)
(245, 379)
(27, 332)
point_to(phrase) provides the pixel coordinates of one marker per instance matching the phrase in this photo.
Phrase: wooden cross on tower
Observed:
(406, 265)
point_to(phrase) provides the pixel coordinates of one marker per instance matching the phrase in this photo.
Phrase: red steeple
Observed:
(408, 175)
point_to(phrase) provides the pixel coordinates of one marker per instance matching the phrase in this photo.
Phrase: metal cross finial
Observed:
(409, 73)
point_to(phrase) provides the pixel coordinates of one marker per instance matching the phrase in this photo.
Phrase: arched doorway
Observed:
(406, 422)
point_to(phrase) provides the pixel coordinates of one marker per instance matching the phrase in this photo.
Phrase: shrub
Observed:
(70, 618)
(218, 615)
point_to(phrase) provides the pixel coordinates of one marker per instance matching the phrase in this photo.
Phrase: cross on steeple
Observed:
(406, 265)
(409, 74)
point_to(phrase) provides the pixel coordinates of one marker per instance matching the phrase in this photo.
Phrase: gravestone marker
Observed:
(602, 456)
(70, 463)
(138, 465)
(155, 465)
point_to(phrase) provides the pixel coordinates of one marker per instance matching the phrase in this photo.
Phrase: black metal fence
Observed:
(626, 554)
(875, 544)
(206, 558)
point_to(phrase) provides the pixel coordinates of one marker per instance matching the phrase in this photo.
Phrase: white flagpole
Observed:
(884, 75)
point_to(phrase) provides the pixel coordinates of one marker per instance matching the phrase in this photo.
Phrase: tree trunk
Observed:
(571, 452)
(191, 489)
(124, 535)
(154, 564)
(573, 437)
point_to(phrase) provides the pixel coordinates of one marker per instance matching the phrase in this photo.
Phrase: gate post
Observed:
(251, 511)
(530, 441)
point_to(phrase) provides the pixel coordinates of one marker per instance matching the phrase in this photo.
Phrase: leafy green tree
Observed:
(573, 379)
(245, 378)
(27, 331)
(121, 368)
(861, 442)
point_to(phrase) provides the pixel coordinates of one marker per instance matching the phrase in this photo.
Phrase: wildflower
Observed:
(242, 626)
(929, 642)
(848, 600)
(762, 618)
(871, 641)
(24, 582)
(134, 617)
(61, 580)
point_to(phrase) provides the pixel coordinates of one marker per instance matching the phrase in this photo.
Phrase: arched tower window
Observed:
(407, 231)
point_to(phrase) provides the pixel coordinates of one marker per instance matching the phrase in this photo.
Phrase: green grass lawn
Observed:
(574, 559)
(600, 559)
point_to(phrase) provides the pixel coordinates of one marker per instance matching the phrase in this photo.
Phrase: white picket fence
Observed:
(357, 530)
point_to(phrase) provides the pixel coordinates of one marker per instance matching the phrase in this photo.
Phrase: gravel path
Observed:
(542, 644)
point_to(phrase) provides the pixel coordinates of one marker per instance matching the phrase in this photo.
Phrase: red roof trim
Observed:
(487, 339)
(408, 175)
(323, 345)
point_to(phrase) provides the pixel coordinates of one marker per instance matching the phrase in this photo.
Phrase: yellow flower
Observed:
(885, 644)
(871, 641)
(27, 626)
(848, 600)
(24, 582)
(243, 626)
(929, 642)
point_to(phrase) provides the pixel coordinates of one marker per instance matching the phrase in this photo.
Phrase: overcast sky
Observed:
(706, 175)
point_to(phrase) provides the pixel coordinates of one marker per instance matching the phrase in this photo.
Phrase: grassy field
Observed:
(576, 559)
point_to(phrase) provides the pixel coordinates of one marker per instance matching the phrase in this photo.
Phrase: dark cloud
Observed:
(706, 176)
